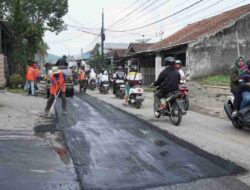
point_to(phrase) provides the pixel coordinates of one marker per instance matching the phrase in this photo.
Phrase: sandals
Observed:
(125, 105)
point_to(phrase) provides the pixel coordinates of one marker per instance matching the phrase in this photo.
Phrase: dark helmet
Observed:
(169, 61)
(178, 62)
(133, 68)
(64, 57)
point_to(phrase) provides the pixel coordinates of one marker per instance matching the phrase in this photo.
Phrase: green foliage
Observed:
(96, 60)
(215, 80)
(15, 80)
(29, 20)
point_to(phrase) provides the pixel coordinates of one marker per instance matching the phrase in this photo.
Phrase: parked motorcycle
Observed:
(92, 84)
(104, 87)
(174, 108)
(120, 88)
(136, 96)
(243, 117)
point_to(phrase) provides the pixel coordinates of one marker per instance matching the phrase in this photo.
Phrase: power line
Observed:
(93, 41)
(88, 32)
(192, 15)
(129, 17)
(209, 20)
(131, 12)
(184, 9)
(81, 27)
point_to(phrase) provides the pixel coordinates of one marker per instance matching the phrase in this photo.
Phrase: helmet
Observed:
(119, 67)
(105, 72)
(178, 62)
(169, 61)
(134, 68)
(64, 56)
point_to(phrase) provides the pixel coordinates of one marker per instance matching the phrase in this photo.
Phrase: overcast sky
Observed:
(132, 14)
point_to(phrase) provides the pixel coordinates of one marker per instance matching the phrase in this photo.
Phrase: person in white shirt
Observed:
(105, 77)
(178, 65)
(92, 75)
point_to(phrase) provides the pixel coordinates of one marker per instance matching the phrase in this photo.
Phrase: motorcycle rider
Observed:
(62, 61)
(238, 69)
(245, 87)
(104, 77)
(92, 75)
(119, 75)
(168, 81)
(178, 65)
(134, 78)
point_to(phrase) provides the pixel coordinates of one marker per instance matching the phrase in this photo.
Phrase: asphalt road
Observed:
(115, 150)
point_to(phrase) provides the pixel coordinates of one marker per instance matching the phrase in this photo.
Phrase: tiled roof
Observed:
(137, 47)
(199, 29)
(121, 52)
(116, 52)
(140, 46)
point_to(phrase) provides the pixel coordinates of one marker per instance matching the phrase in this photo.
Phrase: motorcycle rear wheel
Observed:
(186, 103)
(176, 114)
(138, 105)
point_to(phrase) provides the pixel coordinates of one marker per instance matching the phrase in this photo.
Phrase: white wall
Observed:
(158, 67)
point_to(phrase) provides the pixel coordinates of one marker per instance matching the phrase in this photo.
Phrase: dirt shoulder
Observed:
(208, 101)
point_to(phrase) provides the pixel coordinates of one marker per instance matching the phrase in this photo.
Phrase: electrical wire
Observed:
(127, 15)
(145, 8)
(160, 20)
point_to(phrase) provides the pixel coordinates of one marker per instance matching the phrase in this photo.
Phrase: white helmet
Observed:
(105, 72)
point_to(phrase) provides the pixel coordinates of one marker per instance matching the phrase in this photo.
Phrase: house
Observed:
(208, 46)
(113, 56)
(6, 42)
(136, 55)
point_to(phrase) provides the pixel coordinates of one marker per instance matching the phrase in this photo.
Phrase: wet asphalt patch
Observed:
(115, 150)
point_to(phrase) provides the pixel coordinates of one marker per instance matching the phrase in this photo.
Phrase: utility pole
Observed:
(102, 39)
(237, 42)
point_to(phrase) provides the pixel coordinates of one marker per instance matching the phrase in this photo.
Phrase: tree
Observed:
(30, 19)
(42, 52)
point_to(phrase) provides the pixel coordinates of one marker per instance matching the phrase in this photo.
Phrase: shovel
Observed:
(52, 107)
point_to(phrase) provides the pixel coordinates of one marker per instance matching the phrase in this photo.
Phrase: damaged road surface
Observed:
(111, 149)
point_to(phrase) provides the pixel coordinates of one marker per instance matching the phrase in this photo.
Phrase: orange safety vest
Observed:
(37, 72)
(54, 86)
(82, 75)
(30, 75)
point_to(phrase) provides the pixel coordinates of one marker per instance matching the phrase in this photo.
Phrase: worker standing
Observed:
(57, 86)
(82, 80)
(30, 79)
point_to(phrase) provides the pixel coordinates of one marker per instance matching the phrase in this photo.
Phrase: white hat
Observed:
(55, 70)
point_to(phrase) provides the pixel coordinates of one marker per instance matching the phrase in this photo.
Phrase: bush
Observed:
(15, 80)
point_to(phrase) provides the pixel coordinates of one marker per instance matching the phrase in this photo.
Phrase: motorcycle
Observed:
(184, 91)
(136, 96)
(120, 88)
(174, 108)
(92, 84)
(104, 87)
(243, 117)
